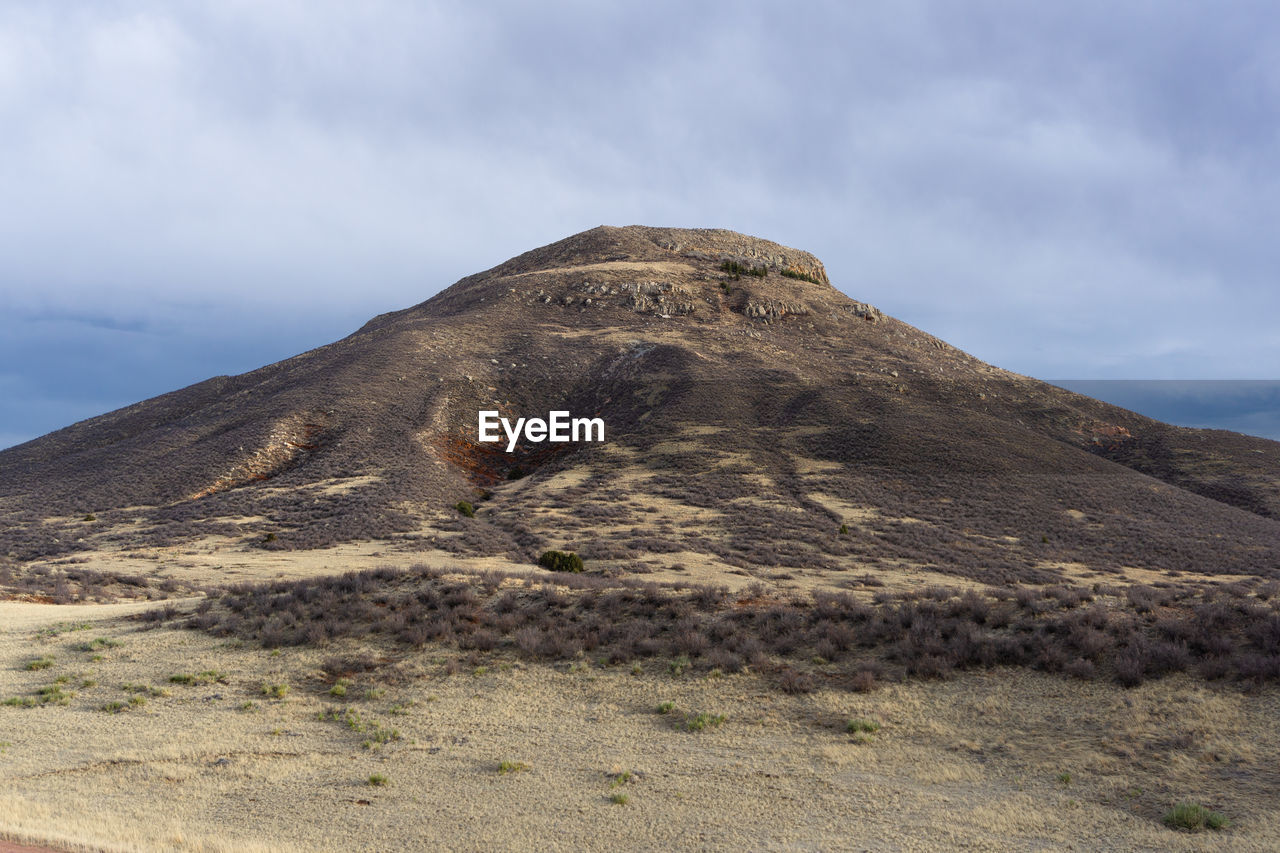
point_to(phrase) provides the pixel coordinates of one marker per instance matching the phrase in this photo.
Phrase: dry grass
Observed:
(973, 761)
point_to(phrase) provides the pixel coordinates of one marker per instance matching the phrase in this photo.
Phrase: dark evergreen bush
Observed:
(559, 561)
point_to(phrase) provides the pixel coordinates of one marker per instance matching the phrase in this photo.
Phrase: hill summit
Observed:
(760, 425)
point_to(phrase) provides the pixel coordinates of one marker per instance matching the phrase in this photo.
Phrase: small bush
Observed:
(144, 690)
(465, 508)
(802, 276)
(795, 682)
(1194, 817)
(379, 736)
(698, 722)
(54, 694)
(512, 767)
(377, 780)
(738, 270)
(665, 707)
(209, 676)
(863, 681)
(98, 643)
(38, 663)
(560, 561)
(862, 725)
(619, 798)
(275, 691)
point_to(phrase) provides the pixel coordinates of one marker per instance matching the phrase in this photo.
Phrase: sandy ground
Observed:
(987, 761)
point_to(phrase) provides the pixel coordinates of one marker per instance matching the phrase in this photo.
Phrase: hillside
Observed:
(753, 412)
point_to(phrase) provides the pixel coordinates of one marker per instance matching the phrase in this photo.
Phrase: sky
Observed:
(1068, 190)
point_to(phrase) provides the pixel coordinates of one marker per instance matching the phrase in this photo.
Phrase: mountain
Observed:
(758, 424)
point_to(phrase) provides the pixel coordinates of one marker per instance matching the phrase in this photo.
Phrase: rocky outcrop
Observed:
(772, 310)
(863, 311)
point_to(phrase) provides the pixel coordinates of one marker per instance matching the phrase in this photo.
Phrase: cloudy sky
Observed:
(1079, 189)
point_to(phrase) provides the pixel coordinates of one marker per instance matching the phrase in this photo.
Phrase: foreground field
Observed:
(360, 747)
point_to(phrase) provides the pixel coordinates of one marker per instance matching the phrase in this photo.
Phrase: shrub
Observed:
(39, 663)
(98, 643)
(1194, 817)
(862, 725)
(209, 676)
(802, 276)
(377, 780)
(465, 508)
(560, 561)
(794, 681)
(619, 798)
(666, 707)
(738, 270)
(698, 722)
(863, 681)
(275, 691)
(512, 767)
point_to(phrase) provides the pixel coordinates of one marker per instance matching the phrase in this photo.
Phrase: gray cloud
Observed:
(1070, 190)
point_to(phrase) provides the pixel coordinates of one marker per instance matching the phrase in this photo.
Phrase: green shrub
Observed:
(144, 689)
(559, 561)
(209, 676)
(1194, 817)
(698, 722)
(39, 663)
(465, 508)
(512, 767)
(98, 643)
(620, 798)
(377, 780)
(737, 270)
(860, 724)
(802, 276)
(666, 707)
(275, 691)
(55, 694)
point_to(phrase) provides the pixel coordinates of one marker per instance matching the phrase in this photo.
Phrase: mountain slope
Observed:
(751, 410)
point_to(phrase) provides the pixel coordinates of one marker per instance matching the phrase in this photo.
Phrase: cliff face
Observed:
(753, 412)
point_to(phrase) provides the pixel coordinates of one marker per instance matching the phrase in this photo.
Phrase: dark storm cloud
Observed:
(1063, 189)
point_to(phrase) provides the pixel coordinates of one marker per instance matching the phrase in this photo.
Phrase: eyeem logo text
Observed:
(558, 427)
